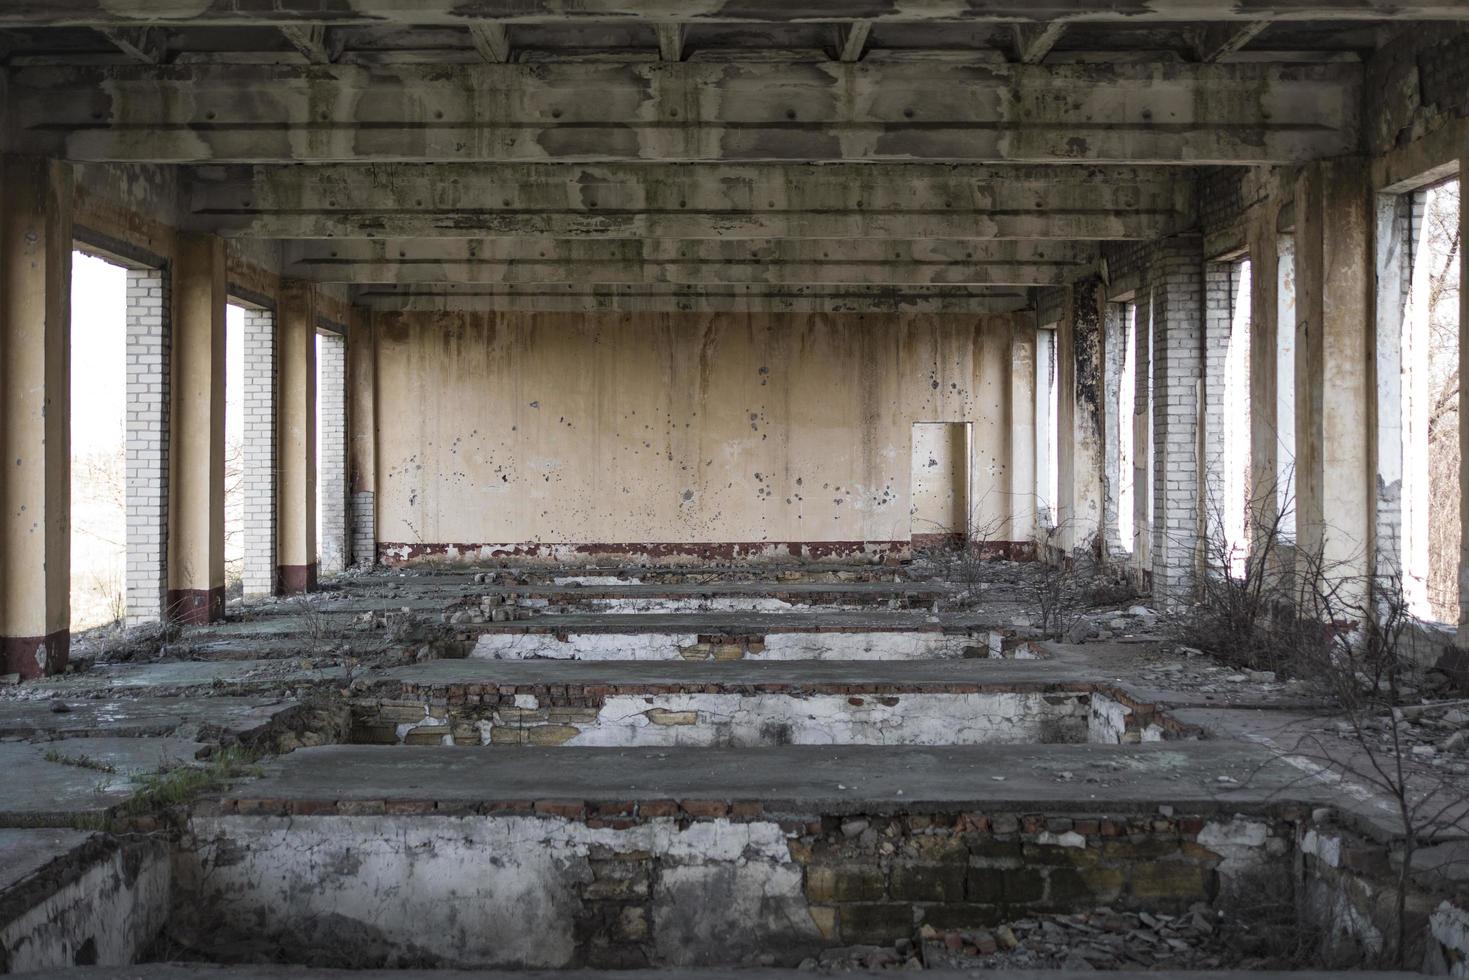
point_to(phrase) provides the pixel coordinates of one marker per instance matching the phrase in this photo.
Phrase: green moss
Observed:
(163, 790)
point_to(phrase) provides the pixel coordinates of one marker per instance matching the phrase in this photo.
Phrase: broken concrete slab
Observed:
(76, 781)
(134, 717)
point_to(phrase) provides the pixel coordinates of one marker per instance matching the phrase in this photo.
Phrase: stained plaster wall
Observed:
(656, 432)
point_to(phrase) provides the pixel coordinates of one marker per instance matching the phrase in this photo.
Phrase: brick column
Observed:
(146, 491)
(1177, 363)
(332, 449)
(35, 415)
(296, 438)
(362, 436)
(259, 451)
(196, 456)
(1334, 323)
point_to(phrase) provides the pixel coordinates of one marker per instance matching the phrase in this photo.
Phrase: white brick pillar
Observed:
(1177, 347)
(146, 436)
(259, 449)
(331, 406)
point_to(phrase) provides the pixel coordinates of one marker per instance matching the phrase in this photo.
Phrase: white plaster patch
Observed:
(1325, 849)
(493, 891)
(1449, 927)
(1108, 720)
(876, 645)
(113, 913)
(734, 720)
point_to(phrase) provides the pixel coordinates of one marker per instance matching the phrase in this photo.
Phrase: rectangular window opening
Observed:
(1047, 428)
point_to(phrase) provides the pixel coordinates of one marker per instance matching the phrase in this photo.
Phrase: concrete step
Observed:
(843, 635)
(1213, 776)
(750, 703)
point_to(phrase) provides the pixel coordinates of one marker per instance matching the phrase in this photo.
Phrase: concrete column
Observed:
(988, 513)
(1079, 343)
(1022, 435)
(1177, 368)
(1114, 349)
(1463, 634)
(296, 438)
(148, 402)
(332, 450)
(1334, 325)
(1265, 445)
(196, 457)
(35, 415)
(362, 436)
(259, 451)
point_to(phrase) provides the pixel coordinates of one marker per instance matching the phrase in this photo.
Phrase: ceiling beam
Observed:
(492, 41)
(663, 298)
(852, 40)
(83, 13)
(1034, 42)
(1216, 42)
(145, 45)
(824, 111)
(689, 201)
(670, 41)
(839, 262)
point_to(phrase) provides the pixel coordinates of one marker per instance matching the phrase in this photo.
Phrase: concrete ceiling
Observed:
(693, 154)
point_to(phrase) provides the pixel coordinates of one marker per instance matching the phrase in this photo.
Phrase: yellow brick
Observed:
(661, 716)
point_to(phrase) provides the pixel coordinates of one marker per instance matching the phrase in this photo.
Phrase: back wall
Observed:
(718, 435)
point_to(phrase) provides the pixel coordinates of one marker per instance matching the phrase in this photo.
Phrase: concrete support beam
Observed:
(1218, 41)
(145, 45)
(852, 40)
(35, 415)
(824, 111)
(362, 436)
(312, 41)
(296, 555)
(1079, 355)
(457, 12)
(1034, 41)
(574, 298)
(691, 201)
(492, 41)
(692, 262)
(670, 41)
(196, 430)
(1334, 325)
